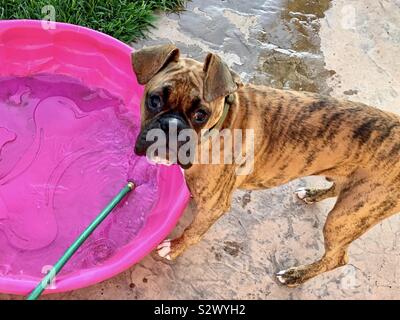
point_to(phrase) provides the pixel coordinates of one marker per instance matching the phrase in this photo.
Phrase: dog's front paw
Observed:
(305, 194)
(291, 277)
(168, 250)
(164, 249)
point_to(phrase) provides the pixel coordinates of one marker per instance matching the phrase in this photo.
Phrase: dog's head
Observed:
(180, 93)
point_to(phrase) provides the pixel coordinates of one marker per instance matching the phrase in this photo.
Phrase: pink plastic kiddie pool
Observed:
(69, 116)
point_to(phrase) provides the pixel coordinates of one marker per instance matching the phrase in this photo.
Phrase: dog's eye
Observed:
(200, 116)
(154, 103)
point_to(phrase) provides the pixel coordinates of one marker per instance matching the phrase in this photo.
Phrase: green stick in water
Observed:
(78, 242)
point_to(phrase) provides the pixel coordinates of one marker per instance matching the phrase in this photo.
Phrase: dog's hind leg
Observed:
(361, 204)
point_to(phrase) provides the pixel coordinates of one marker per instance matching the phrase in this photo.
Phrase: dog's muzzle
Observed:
(171, 124)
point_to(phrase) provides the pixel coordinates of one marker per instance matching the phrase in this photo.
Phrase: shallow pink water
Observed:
(65, 151)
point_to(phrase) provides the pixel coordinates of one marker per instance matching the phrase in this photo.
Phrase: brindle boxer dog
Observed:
(297, 134)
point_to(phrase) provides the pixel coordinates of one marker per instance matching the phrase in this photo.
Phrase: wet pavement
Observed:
(271, 42)
(341, 48)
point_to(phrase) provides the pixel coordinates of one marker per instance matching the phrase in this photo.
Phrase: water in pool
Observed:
(65, 151)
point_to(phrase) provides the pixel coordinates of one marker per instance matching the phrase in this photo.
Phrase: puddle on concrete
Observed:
(297, 27)
(270, 42)
(296, 61)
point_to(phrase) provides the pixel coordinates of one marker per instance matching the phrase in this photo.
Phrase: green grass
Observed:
(123, 19)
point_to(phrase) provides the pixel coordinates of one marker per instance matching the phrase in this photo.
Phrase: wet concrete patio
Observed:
(347, 49)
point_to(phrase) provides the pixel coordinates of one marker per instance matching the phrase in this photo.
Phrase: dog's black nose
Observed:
(172, 123)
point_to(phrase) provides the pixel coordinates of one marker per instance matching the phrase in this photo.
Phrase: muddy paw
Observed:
(164, 249)
(305, 194)
(163, 252)
(291, 277)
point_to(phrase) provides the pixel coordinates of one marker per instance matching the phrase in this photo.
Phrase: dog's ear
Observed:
(219, 80)
(148, 61)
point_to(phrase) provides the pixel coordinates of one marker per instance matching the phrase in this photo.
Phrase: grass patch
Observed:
(123, 19)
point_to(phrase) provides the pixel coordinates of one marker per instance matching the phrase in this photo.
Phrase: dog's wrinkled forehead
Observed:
(182, 80)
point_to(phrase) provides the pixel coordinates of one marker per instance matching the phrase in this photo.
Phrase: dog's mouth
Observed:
(154, 142)
(168, 158)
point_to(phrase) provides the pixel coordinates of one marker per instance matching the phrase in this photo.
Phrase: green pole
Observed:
(78, 242)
